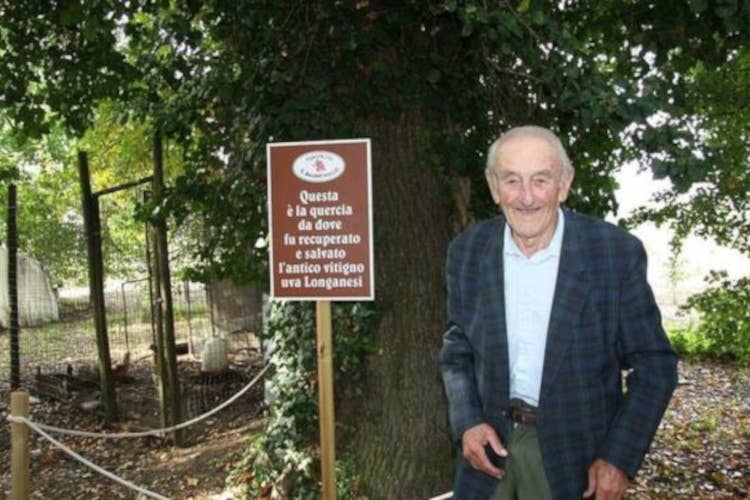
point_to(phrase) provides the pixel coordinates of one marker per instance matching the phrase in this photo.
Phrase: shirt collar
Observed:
(552, 250)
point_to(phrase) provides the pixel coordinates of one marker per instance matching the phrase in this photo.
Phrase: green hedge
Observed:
(723, 330)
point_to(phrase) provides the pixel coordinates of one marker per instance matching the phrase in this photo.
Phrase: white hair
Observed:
(530, 131)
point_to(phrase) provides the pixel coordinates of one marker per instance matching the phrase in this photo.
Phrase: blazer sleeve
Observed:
(457, 355)
(643, 348)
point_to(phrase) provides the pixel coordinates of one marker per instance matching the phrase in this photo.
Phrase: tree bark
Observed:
(401, 440)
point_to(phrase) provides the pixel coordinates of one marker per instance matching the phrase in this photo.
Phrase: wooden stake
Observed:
(165, 282)
(12, 234)
(157, 325)
(325, 399)
(92, 223)
(19, 443)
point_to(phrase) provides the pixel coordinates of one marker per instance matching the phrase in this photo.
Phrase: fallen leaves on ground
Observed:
(701, 451)
(197, 471)
(702, 448)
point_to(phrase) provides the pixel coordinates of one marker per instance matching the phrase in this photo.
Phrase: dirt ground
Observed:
(701, 451)
(197, 471)
(702, 448)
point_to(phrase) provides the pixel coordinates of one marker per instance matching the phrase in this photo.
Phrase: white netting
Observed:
(37, 303)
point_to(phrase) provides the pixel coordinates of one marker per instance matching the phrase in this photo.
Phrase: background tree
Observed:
(707, 161)
(50, 221)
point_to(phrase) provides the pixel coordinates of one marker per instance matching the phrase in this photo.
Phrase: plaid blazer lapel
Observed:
(496, 341)
(570, 292)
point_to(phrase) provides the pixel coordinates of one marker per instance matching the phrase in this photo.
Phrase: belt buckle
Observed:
(512, 414)
(520, 416)
(516, 415)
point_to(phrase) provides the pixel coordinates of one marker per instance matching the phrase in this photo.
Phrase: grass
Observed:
(708, 423)
(73, 339)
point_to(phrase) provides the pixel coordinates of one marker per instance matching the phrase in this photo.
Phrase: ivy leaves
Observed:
(284, 459)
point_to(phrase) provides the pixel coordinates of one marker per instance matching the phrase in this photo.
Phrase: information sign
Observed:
(320, 218)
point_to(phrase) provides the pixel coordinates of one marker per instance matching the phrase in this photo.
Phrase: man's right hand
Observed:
(473, 443)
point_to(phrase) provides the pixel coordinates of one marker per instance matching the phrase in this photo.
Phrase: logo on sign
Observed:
(318, 166)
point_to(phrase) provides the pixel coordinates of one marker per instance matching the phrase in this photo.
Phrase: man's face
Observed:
(527, 182)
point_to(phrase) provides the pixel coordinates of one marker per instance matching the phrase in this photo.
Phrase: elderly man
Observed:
(546, 308)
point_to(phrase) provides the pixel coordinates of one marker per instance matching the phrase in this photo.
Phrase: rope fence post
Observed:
(21, 425)
(125, 316)
(19, 454)
(191, 349)
(12, 235)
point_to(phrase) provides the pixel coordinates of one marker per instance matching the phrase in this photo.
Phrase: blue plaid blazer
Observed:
(604, 320)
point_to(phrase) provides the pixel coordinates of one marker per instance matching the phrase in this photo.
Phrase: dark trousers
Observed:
(524, 477)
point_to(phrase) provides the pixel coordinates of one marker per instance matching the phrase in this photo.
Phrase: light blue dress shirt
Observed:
(529, 291)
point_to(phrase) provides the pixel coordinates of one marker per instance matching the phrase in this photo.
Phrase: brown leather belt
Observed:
(521, 415)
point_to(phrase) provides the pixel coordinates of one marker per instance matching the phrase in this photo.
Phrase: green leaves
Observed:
(289, 441)
(724, 318)
(449, 5)
(698, 6)
(433, 76)
(70, 55)
(725, 9)
(523, 6)
(509, 24)
(703, 141)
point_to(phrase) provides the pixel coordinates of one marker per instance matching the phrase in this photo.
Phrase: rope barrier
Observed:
(158, 432)
(40, 429)
(444, 496)
(84, 461)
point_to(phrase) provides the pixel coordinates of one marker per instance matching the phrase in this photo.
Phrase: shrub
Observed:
(688, 342)
(724, 313)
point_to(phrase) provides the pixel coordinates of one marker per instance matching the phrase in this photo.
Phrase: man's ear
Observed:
(565, 183)
(493, 182)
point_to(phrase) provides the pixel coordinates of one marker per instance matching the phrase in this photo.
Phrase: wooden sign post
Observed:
(325, 399)
(320, 218)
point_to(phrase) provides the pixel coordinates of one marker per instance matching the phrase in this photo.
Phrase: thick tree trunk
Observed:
(401, 439)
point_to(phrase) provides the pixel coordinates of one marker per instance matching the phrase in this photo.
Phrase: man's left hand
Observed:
(606, 480)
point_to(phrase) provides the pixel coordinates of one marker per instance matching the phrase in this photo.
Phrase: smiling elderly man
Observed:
(546, 308)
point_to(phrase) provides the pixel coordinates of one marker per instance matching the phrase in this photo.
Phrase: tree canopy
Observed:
(222, 79)
(50, 223)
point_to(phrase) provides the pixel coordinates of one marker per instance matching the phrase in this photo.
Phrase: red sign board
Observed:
(320, 217)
